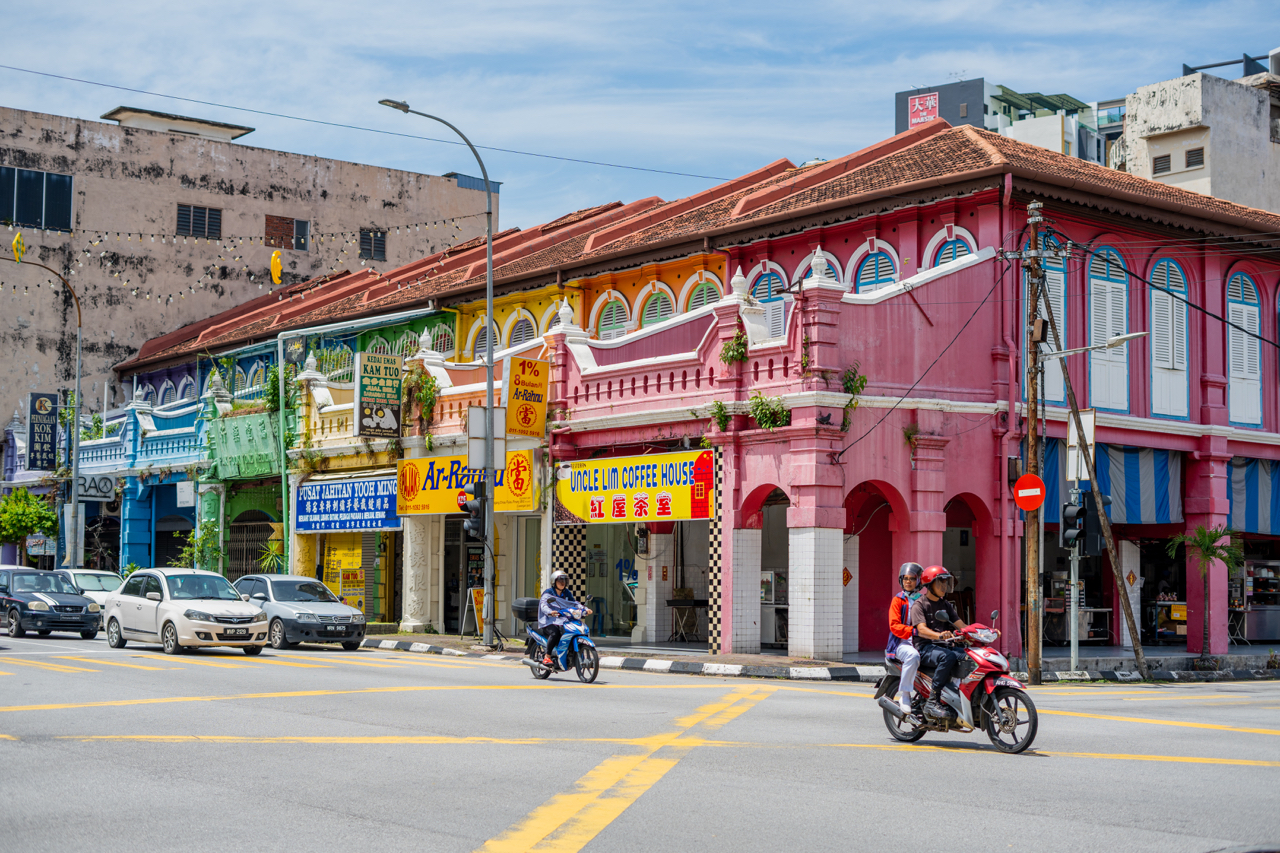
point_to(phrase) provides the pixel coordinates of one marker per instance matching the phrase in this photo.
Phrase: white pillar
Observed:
(416, 555)
(1130, 561)
(816, 597)
(850, 594)
(746, 591)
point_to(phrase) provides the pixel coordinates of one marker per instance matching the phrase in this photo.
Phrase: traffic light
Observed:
(1094, 543)
(1071, 531)
(474, 508)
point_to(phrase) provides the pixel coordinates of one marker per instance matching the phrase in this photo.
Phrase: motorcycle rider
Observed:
(934, 619)
(900, 646)
(556, 607)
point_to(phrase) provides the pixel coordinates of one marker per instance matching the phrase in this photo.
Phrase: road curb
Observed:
(866, 674)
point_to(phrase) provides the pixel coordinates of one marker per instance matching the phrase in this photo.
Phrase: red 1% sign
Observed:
(1028, 492)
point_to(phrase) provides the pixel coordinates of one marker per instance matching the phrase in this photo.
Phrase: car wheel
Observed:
(169, 637)
(44, 633)
(278, 639)
(115, 639)
(352, 646)
(89, 635)
(253, 650)
(15, 625)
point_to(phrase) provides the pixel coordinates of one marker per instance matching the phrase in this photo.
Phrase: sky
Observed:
(709, 90)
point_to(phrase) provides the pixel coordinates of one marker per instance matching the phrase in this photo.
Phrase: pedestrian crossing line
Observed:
(569, 821)
(217, 663)
(1154, 722)
(113, 663)
(47, 665)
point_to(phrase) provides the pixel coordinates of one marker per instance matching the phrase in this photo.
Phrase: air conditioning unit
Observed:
(111, 508)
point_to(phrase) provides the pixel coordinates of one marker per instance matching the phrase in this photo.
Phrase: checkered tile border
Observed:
(715, 560)
(569, 555)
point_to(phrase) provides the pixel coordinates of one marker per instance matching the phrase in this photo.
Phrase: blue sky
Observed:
(711, 89)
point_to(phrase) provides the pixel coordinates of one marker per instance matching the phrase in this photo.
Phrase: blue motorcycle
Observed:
(574, 651)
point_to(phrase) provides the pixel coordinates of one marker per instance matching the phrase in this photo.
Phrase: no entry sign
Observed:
(1028, 492)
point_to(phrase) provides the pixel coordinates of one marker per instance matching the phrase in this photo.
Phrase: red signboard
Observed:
(1028, 492)
(922, 108)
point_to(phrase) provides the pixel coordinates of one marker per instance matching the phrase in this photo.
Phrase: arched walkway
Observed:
(872, 575)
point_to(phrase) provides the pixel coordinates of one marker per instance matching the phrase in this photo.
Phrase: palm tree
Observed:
(1207, 546)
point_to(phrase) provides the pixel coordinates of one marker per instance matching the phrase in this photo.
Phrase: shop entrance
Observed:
(775, 550)
(463, 569)
(611, 579)
(171, 535)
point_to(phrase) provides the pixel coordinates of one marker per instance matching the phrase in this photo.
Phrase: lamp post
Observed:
(489, 473)
(73, 535)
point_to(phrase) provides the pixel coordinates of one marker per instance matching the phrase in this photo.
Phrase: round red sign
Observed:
(1028, 492)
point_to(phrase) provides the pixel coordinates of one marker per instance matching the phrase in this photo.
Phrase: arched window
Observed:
(480, 347)
(407, 345)
(1108, 317)
(613, 321)
(442, 339)
(336, 362)
(149, 394)
(1168, 341)
(378, 345)
(522, 332)
(1244, 356)
(768, 291)
(257, 375)
(242, 380)
(874, 272)
(703, 295)
(555, 320)
(187, 389)
(167, 393)
(656, 309)
(950, 250)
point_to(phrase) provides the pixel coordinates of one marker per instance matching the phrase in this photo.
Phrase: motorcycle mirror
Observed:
(995, 614)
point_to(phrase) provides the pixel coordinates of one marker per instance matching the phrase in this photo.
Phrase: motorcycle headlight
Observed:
(93, 607)
(37, 605)
(198, 616)
(303, 616)
(985, 636)
(357, 616)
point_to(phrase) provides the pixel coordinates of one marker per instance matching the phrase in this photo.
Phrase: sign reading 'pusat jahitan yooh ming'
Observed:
(342, 505)
(659, 487)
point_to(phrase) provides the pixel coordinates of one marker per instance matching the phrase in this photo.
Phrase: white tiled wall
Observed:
(850, 595)
(746, 591)
(1130, 560)
(816, 619)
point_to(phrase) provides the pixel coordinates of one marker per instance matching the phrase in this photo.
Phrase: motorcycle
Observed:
(982, 694)
(575, 650)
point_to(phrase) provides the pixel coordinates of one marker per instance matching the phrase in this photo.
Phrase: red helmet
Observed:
(936, 573)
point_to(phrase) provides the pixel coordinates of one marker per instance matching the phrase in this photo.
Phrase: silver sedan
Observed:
(300, 609)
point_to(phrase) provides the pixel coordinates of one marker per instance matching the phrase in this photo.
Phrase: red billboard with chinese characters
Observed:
(922, 108)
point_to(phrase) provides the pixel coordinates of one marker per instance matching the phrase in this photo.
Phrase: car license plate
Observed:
(237, 632)
(332, 628)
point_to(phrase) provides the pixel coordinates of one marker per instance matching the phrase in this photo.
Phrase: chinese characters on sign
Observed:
(658, 487)
(377, 395)
(433, 485)
(347, 505)
(922, 108)
(343, 567)
(524, 391)
(42, 432)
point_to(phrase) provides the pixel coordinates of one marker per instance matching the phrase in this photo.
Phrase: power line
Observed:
(358, 127)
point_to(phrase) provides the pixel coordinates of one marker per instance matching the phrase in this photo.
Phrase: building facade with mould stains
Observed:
(160, 220)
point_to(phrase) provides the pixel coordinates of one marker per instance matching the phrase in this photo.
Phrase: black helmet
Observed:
(912, 569)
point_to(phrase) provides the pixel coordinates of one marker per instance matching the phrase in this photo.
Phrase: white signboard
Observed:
(95, 487)
(475, 437)
(1076, 468)
(186, 493)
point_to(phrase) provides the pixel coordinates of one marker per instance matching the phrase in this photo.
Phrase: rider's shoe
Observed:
(548, 661)
(905, 705)
(934, 708)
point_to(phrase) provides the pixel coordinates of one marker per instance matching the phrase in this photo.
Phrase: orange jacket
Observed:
(899, 608)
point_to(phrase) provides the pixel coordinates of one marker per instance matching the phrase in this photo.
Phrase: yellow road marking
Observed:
(272, 660)
(188, 659)
(1177, 723)
(569, 821)
(112, 663)
(1188, 697)
(53, 667)
(350, 662)
(399, 662)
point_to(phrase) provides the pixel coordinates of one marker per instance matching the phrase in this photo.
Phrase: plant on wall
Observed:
(720, 414)
(202, 551)
(910, 433)
(421, 386)
(769, 412)
(853, 382)
(735, 349)
(804, 353)
(271, 393)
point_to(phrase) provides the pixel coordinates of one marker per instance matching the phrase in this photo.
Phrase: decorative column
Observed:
(928, 484)
(1207, 503)
(416, 551)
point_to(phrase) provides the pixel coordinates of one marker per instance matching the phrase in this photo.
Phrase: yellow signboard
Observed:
(658, 487)
(524, 391)
(343, 569)
(433, 486)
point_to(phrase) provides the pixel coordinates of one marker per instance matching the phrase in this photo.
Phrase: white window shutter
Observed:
(1179, 311)
(1098, 313)
(1162, 330)
(1055, 295)
(1253, 353)
(1235, 338)
(775, 315)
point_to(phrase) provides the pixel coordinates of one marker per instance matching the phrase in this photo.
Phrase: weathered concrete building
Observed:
(161, 220)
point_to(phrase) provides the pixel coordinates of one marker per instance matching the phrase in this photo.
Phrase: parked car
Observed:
(183, 609)
(303, 610)
(92, 584)
(44, 602)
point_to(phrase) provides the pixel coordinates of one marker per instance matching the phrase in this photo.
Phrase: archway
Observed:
(870, 579)
(171, 536)
(249, 534)
(970, 552)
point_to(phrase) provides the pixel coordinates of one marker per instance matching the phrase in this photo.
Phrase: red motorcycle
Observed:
(982, 694)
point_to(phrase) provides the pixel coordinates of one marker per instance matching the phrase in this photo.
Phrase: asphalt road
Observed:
(320, 748)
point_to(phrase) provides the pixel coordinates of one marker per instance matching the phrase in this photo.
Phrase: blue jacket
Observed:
(557, 608)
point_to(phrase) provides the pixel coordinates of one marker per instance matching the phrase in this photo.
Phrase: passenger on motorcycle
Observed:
(934, 619)
(556, 607)
(901, 647)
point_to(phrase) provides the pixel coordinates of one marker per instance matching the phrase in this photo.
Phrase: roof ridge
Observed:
(977, 134)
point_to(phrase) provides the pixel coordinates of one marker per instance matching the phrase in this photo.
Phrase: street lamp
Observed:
(73, 535)
(489, 473)
(1112, 343)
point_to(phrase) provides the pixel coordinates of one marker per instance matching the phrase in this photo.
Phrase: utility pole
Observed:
(1086, 453)
(1031, 524)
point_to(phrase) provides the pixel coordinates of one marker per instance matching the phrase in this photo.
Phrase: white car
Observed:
(93, 585)
(183, 609)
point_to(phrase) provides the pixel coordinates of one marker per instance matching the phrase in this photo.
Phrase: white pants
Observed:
(910, 660)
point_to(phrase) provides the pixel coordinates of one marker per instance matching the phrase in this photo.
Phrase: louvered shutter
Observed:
(481, 347)
(613, 320)
(1245, 394)
(1179, 311)
(1055, 285)
(1252, 349)
(656, 309)
(1235, 313)
(522, 333)
(1162, 330)
(1119, 356)
(703, 295)
(776, 316)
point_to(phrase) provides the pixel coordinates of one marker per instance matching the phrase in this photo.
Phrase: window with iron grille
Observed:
(35, 199)
(194, 221)
(373, 244)
(1162, 164)
(1195, 157)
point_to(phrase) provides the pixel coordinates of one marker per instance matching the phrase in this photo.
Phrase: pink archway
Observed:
(874, 513)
